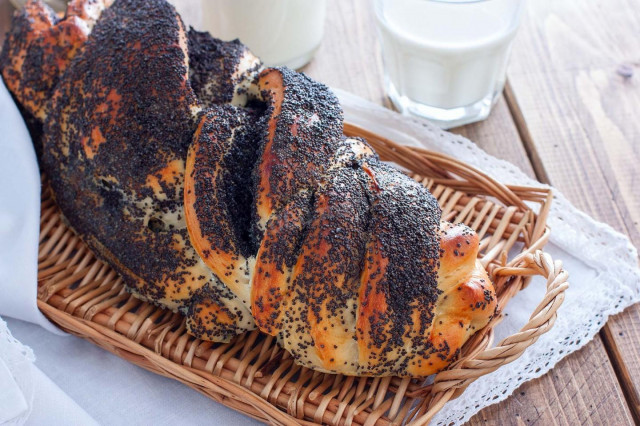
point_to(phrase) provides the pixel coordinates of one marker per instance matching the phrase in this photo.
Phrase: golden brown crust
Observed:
(354, 277)
(40, 47)
(304, 127)
(274, 263)
(124, 179)
(115, 150)
(322, 302)
(216, 195)
(282, 219)
(466, 301)
(221, 71)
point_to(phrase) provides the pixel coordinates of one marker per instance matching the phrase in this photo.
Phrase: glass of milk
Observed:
(280, 32)
(446, 60)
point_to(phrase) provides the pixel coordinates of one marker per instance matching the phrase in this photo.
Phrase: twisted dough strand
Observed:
(346, 260)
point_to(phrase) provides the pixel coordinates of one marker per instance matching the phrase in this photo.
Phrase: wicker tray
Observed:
(251, 373)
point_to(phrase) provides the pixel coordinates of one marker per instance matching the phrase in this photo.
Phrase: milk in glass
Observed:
(444, 59)
(280, 32)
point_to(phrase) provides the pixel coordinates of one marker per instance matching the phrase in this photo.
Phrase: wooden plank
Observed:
(349, 58)
(570, 394)
(622, 347)
(568, 79)
(6, 10)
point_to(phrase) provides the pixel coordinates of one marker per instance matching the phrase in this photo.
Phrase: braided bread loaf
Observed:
(342, 257)
(229, 193)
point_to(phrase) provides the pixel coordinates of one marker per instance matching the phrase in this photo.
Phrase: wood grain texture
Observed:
(349, 57)
(6, 10)
(582, 115)
(568, 79)
(575, 392)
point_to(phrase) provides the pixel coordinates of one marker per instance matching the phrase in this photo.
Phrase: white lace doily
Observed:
(18, 359)
(603, 265)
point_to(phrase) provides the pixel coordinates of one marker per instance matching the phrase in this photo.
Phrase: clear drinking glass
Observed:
(280, 32)
(446, 60)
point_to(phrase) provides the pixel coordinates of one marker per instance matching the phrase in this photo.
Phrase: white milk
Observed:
(280, 32)
(446, 55)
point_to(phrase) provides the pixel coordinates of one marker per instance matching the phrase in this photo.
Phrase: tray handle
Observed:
(450, 383)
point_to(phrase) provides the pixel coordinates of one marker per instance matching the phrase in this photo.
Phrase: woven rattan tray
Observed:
(251, 373)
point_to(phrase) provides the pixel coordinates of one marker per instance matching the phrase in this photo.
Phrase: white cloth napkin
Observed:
(16, 381)
(48, 405)
(52, 406)
(604, 279)
(26, 394)
(19, 217)
(111, 390)
(21, 383)
(12, 401)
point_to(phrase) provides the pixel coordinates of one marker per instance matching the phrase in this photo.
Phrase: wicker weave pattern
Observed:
(251, 373)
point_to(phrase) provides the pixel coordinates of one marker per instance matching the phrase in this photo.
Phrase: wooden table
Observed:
(567, 117)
